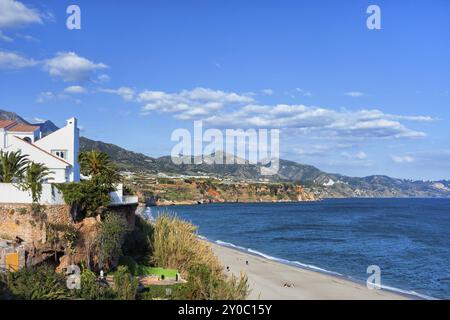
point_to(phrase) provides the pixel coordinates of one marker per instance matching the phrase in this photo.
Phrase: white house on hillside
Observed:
(58, 150)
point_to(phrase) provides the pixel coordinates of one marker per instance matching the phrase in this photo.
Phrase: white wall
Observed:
(66, 138)
(10, 193)
(55, 165)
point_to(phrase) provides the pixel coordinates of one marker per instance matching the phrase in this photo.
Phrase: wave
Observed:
(314, 268)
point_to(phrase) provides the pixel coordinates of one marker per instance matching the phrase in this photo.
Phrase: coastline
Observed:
(196, 203)
(267, 278)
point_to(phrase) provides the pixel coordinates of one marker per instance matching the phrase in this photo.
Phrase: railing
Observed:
(124, 200)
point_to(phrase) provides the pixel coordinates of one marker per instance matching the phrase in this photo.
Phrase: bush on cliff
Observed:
(137, 244)
(109, 240)
(91, 197)
(88, 198)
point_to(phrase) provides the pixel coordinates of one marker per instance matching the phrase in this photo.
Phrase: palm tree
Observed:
(96, 163)
(12, 166)
(35, 175)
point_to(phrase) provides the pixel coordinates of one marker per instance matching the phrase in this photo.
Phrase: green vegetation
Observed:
(12, 166)
(158, 292)
(88, 197)
(137, 243)
(91, 289)
(176, 245)
(110, 239)
(125, 284)
(144, 270)
(16, 168)
(35, 175)
(91, 197)
(57, 232)
(37, 283)
(96, 163)
(160, 272)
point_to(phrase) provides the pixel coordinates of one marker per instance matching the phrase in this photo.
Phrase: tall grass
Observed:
(175, 245)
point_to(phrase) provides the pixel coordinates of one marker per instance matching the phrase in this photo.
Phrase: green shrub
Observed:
(91, 289)
(110, 239)
(158, 292)
(38, 283)
(88, 197)
(175, 245)
(204, 284)
(130, 263)
(125, 284)
(137, 243)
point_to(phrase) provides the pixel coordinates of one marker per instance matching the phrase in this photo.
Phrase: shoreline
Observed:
(196, 203)
(267, 277)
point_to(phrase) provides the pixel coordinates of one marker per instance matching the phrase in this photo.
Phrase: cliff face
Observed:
(163, 191)
(49, 232)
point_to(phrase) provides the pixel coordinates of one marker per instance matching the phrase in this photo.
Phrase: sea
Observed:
(407, 239)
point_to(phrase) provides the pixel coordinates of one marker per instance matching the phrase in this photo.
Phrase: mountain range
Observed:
(323, 184)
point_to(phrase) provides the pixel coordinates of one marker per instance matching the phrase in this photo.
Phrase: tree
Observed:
(35, 175)
(90, 197)
(95, 163)
(12, 166)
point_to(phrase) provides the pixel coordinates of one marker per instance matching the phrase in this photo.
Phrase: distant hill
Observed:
(46, 127)
(324, 184)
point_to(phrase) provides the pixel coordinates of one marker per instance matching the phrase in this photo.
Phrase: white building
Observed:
(58, 151)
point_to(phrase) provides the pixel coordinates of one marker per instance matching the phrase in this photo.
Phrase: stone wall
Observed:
(19, 220)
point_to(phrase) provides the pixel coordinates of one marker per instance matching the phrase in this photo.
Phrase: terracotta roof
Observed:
(14, 126)
(23, 128)
(6, 123)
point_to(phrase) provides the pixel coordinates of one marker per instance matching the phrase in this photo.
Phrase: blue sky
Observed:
(347, 99)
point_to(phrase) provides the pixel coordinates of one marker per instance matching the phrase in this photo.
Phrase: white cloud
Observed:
(75, 89)
(102, 78)
(14, 13)
(403, 159)
(316, 121)
(46, 96)
(71, 68)
(267, 92)
(125, 92)
(190, 104)
(361, 155)
(222, 109)
(39, 120)
(354, 94)
(12, 60)
(302, 92)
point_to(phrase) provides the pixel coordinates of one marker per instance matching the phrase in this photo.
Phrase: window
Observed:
(60, 153)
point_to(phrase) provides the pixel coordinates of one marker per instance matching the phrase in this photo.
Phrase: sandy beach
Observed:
(267, 279)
